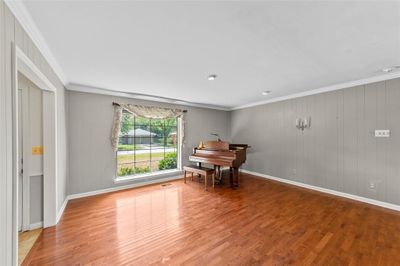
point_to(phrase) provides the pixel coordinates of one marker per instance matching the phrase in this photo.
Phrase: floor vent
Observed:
(166, 185)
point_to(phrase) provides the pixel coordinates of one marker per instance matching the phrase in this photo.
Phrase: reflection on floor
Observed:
(260, 223)
(25, 243)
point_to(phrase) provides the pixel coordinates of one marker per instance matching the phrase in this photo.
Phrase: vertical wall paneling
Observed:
(280, 160)
(274, 115)
(350, 134)
(340, 139)
(19, 36)
(340, 150)
(393, 143)
(308, 139)
(370, 107)
(331, 138)
(286, 164)
(92, 162)
(299, 142)
(267, 128)
(381, 143)
(12, 32)
(3, 142)
(292, 135)
(360, 140)
(318, 125)
(9, 38)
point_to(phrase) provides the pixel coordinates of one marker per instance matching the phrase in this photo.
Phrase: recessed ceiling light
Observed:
(266, 92)
(212, 77)
(390, 69)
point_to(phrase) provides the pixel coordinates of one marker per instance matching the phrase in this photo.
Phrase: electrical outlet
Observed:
(371, 185)
(382, 133)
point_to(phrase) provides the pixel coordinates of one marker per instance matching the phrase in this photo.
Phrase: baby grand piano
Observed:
(221, 153)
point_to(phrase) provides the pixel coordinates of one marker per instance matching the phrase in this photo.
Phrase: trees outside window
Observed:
(146, 145)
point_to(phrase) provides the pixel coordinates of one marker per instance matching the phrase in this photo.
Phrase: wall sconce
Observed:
(303, 123)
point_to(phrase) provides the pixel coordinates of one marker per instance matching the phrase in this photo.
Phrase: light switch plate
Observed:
(382, 133)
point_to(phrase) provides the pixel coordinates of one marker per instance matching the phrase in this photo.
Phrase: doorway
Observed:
(34, 194)
(30, 182)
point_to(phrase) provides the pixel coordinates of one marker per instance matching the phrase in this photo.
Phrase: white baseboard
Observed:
(35, 226)
(61, 211)
(325, 190)
(103, 191)
(108, 190)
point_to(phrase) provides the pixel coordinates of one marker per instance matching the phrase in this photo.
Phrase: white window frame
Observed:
(158, 174)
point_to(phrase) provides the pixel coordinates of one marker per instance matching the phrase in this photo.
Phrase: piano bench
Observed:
(206, 172)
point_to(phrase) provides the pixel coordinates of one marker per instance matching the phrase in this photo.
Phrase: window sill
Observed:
(146, 177)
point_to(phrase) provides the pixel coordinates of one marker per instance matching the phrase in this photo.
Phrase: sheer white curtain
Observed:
(146, 112)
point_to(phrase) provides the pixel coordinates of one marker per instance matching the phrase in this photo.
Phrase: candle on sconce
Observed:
(305, 122)
(298, 121)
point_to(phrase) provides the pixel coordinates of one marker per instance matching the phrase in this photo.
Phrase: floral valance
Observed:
(146, 112)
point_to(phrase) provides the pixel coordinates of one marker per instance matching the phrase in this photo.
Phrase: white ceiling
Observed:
(169, 48)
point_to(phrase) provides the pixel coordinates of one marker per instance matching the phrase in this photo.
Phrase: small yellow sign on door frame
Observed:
(37, 150)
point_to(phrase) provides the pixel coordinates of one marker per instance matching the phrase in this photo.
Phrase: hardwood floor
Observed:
(263, 222)
(26, 240)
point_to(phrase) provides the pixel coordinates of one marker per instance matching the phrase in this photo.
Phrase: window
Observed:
(146, 145)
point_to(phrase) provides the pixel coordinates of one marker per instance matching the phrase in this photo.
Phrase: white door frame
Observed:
(25, 151)
(21, 63)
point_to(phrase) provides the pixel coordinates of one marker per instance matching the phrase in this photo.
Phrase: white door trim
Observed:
(21, 63)
(26, 143)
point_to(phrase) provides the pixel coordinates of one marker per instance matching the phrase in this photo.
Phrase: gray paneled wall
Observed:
(15, 33)
(5, 221)
(339, 151)
(12, 32)
(92, 162)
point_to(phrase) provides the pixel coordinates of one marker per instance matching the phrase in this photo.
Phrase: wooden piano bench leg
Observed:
(205, 180)
(191, 177)
(213, 180)
(184, 176)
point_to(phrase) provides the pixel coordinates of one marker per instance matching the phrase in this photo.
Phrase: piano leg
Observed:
(231, 177)
(237, 176)
(217, 181)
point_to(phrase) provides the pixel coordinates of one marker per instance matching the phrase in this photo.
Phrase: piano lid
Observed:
(217, 145)
(220, 153)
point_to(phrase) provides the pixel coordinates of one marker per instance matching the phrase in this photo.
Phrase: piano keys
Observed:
(222, 153)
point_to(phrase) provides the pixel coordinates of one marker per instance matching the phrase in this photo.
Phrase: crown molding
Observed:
(95, 90)
(340, 86)
(28, 24)
(322, 90)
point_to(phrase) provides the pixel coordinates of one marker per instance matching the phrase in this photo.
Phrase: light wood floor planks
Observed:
(26, 240)
(262, 222)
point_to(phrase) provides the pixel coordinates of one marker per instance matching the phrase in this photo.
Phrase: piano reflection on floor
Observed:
(222, 153)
